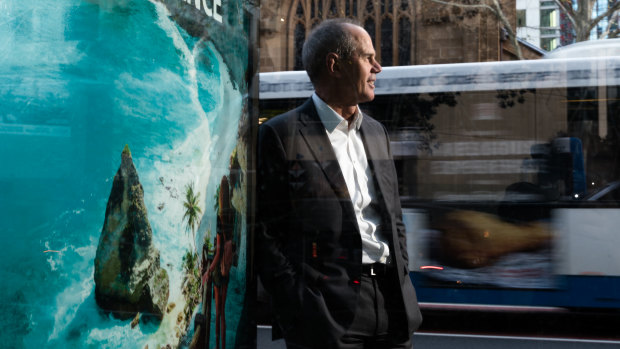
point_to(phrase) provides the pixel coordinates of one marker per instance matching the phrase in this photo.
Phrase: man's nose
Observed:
(376, 67)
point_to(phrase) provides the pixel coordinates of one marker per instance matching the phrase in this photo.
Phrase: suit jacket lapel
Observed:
(313, 132)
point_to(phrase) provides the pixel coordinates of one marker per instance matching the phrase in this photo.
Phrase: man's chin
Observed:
(365, 96)
(368, 97)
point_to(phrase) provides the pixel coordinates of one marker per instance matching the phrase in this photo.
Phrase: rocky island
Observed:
(128, 276)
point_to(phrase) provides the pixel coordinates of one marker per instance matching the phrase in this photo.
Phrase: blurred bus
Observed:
(508, 176)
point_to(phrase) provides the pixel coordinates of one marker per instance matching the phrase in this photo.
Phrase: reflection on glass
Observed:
(493, 159)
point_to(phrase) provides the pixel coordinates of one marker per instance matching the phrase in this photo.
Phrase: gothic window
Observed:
(404, 43)
(300, 11)
(386, 6)
(333, 12)
(369, 6)
(369, 25)
(403, 5)
(300, 35)
(388, 22)
(386, 42)
(350, 8)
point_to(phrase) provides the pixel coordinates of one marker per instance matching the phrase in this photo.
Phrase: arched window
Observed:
(387, 43)
(300, 35)
(369, 25)
(404, 43)
(388, 22)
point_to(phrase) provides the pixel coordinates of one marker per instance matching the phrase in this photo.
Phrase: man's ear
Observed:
(333, 64)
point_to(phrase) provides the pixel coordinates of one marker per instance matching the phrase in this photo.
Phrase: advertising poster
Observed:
(125, 142)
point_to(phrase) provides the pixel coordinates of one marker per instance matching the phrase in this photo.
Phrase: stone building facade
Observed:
(404, 32)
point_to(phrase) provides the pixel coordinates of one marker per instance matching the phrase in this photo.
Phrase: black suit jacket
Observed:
(309, 250)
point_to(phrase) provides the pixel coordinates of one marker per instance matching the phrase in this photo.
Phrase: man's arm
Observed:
(401, 231)
(273, 207)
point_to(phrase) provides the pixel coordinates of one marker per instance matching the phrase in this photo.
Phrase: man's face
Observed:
(360, 71)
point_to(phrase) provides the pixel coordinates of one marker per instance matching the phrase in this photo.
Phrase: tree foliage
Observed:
(192, 211)
(581, 14)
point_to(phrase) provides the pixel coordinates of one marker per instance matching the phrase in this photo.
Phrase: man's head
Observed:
(339, 56)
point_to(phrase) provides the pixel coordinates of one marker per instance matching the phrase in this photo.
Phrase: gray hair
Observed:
(329, 36)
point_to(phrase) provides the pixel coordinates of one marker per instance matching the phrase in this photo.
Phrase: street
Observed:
(427, 340)
(454, 326)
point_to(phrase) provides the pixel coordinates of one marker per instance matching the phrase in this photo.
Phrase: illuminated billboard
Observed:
(125, 142)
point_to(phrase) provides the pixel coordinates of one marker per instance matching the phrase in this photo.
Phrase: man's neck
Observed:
(346, 111)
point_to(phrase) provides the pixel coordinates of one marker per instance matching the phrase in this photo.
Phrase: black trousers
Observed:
(380, 321)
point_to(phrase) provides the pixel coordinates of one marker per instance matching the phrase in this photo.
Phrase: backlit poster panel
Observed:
(125, 135)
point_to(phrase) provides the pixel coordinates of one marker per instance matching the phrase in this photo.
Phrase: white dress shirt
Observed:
(349, 148)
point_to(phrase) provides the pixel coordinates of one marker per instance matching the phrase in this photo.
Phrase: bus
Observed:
(508, 175)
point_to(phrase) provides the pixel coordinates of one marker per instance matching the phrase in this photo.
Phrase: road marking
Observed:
(545, 339)
(486, 307)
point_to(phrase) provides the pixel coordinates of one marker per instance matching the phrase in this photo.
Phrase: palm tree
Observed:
(192, 211)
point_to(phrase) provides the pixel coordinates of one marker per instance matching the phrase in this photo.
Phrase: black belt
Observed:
(375, 269)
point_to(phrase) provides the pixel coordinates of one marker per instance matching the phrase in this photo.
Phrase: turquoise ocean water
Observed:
(78, 81)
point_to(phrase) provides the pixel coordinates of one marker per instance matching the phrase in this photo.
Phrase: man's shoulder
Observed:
(290, 117)
(370, 122)
(282, 119)
(369, 119)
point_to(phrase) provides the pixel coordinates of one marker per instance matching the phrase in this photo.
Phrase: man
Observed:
(331, 246)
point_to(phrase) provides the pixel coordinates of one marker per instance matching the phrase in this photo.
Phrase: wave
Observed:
(208, 121)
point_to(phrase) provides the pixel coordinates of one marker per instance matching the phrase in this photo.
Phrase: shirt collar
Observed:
(330, 118)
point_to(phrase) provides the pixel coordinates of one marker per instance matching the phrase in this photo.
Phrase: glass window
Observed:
(386, 43)
(548, 18)
(300, 36)
(486, 147)
(521, 22)
(507, 162)
(549, 44)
